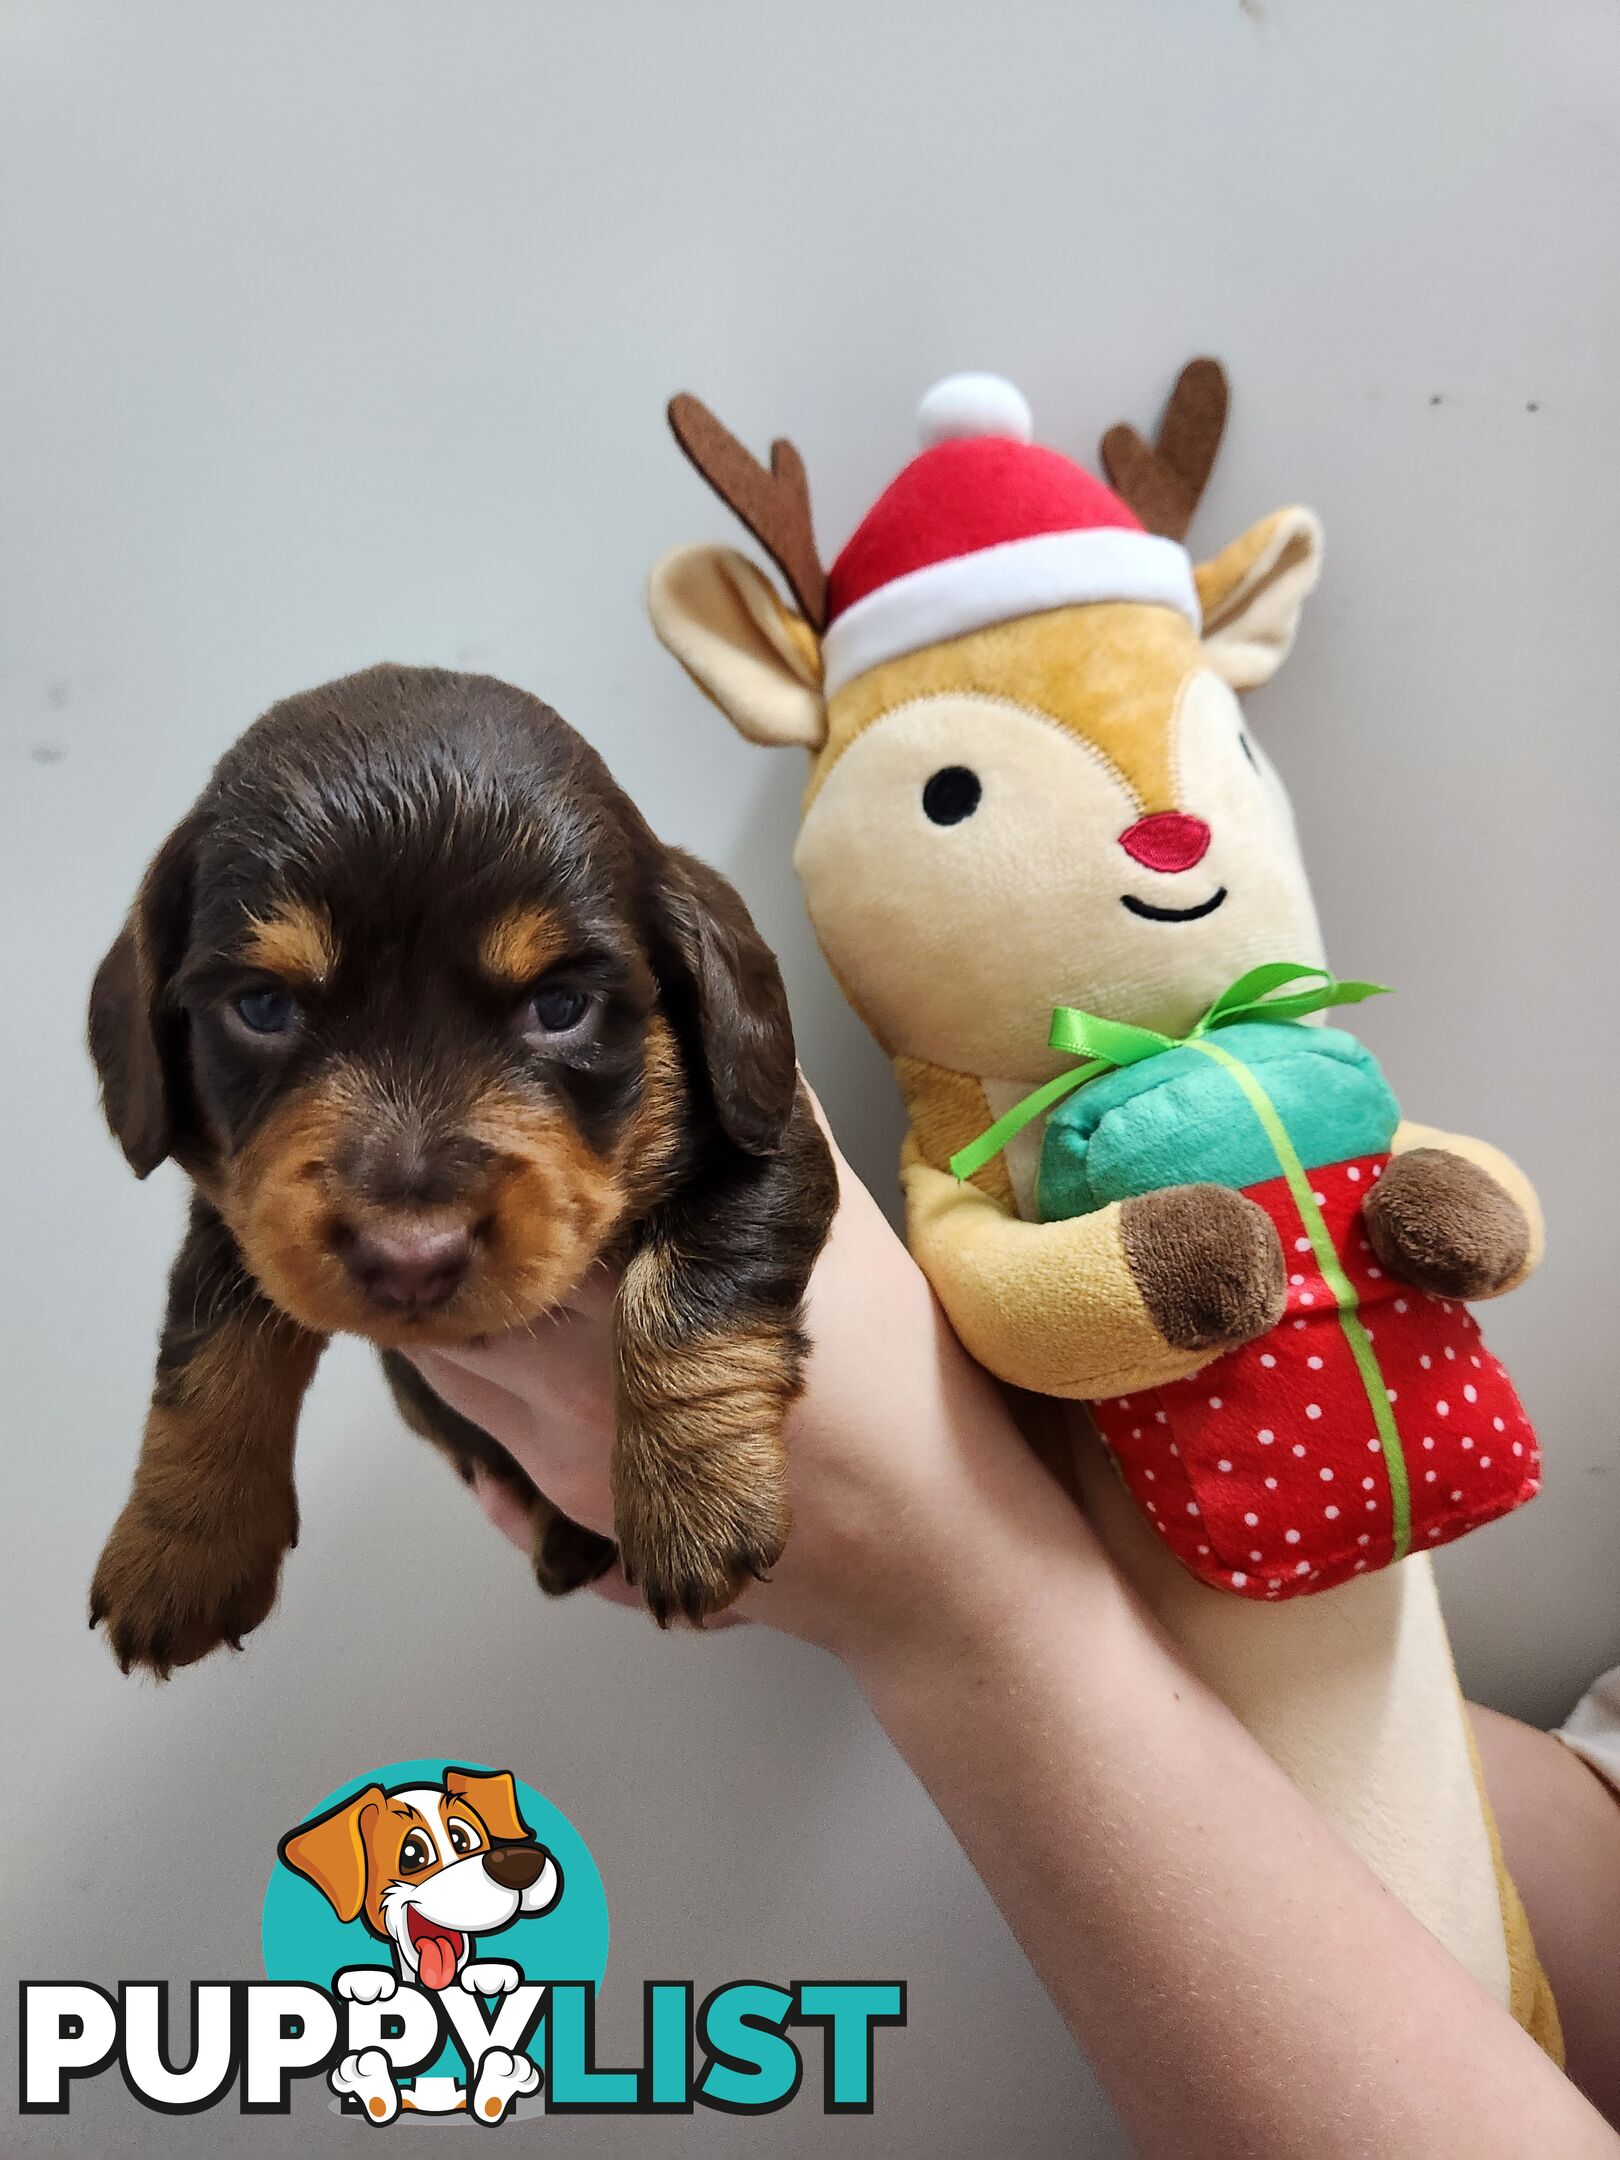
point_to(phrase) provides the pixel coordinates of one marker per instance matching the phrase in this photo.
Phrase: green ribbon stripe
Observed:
(1108, 1044)
(1261, 994)
(1343, 1290)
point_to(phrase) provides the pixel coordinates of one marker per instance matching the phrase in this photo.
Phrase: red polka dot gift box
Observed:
(1271, 1472)
(1370, 1421)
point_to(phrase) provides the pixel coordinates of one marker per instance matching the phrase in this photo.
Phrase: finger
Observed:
(578, 1328)
(820, 1117)
(592, 1301)
(565, 1451)
(503, 1507)
(505, 1416)
(563, 1370)
(560, 1367)
(615, 1590)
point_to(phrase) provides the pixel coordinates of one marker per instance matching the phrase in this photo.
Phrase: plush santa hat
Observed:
(983, 527)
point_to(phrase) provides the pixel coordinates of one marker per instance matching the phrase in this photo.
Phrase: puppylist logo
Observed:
(434, 1937)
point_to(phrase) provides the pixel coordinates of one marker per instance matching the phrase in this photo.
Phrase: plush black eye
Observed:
(1248, 750)
(951, 795)
(415, 1854)
(267, 1012)
(556, 1012)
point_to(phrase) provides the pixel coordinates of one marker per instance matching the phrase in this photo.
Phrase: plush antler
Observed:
(1163, 484)
(774, 505)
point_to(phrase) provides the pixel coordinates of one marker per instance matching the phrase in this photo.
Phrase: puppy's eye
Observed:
(267, 1012)
(461, 1838)
(555, 1012)
(951, 795)
(415, 1854)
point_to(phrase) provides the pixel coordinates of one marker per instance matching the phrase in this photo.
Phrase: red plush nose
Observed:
(1169, 840)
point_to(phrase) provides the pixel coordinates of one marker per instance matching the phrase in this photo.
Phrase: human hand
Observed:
(904, 1463)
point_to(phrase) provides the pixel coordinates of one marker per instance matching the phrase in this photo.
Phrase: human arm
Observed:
(1560, 1827)
(1240, 1980)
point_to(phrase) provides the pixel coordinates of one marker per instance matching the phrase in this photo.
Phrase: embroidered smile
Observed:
(1150, 913)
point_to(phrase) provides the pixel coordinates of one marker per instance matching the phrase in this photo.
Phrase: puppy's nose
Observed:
(1169, 840)
(408, 1266)
(514, 1867)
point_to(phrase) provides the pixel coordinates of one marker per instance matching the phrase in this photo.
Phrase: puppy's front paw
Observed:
(697, 1531)
(167, 1593)
(491, 1976)
(366, 1984)
(567, 1556)
(699, 1462)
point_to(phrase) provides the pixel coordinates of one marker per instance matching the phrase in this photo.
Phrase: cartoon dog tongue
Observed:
(436, 1958)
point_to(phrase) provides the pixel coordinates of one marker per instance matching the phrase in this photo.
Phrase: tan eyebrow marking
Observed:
(295, 940)
(521, 944)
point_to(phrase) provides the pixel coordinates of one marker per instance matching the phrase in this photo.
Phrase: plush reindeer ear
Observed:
(737, 1006)
(492, 1795)
(330, 1852)
(741, 644)
(139, 1046)
(1252, 592)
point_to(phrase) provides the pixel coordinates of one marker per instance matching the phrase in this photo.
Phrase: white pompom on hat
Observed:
(966, 405)
(986, 526)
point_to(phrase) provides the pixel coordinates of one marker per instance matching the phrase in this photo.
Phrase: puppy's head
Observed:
(429, 1868)
(428, 1014)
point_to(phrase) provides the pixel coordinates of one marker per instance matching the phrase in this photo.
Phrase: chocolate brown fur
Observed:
(195, 1557)
(432, 872)
(706, 1324)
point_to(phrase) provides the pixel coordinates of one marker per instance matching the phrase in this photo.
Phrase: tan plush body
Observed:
(1125, 848)
(1353, 1693)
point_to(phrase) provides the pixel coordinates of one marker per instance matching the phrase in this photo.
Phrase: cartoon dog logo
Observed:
(429, 1869)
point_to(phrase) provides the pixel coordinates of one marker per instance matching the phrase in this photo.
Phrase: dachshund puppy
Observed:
(435, 1025)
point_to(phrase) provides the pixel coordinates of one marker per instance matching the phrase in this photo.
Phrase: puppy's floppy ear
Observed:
(138, 1045)
(492, 1795)
(738, 1003)
(330, 1852)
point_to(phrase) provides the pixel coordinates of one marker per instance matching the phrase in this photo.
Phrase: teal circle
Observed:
(303, 1938)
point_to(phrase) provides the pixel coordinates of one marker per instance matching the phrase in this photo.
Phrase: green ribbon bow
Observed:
(1108, 1044)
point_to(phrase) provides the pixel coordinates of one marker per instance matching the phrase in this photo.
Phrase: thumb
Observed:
(472, 1394)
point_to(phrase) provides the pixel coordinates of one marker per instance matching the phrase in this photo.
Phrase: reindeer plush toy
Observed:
(1037, 831)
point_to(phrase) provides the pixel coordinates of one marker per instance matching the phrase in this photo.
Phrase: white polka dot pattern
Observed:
(1261, 1443)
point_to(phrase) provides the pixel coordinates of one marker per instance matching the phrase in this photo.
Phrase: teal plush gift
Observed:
(1181, 1118)
(1370, 1421)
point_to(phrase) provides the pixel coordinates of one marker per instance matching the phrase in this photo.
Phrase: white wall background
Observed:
(343, 331)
